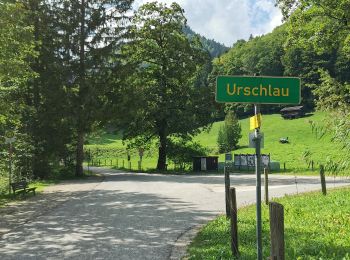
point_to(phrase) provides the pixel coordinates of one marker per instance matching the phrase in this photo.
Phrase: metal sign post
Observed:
(258, 90)
(258, 186)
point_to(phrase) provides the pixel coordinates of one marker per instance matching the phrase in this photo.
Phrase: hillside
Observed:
(213, 47)
(274, 127)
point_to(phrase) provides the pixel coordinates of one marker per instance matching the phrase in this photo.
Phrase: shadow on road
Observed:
(103, 225)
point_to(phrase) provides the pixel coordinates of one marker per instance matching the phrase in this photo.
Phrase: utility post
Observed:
(258, 184)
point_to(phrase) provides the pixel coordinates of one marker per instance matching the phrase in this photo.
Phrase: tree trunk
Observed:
(161, 165)
(79, 155)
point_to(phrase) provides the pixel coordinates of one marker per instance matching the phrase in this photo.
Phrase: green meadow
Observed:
(110, 148)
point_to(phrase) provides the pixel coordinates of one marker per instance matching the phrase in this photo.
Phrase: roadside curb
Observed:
(179, 249)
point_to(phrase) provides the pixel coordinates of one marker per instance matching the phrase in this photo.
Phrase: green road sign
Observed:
(259, 90)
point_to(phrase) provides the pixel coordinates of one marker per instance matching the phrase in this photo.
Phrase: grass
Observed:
(316, 227)
(274, 127)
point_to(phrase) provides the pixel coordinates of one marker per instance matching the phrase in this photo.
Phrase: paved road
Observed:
(133, 216)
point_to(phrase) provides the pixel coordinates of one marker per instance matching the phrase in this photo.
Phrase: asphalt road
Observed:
(135, 216)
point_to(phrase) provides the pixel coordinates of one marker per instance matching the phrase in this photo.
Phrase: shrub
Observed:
(229, 134)
(181, 152)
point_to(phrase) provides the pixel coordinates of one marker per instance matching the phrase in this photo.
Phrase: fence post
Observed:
(323, 180)
(227, 190)
(130, 165)
(276, 231)
(234, 226)
(266, 184)
(139, 165)
(284, 166)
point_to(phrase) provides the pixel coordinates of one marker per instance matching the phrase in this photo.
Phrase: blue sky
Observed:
(227, 21)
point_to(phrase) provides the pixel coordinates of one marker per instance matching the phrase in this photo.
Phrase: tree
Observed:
(16, 51)
(322, 28)
(229, 134)
(16, 46)
(82, 56)
(166, 64)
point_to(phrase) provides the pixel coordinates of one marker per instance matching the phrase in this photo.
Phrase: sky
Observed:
(227, 21)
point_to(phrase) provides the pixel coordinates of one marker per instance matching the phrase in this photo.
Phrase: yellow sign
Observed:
(255, 121)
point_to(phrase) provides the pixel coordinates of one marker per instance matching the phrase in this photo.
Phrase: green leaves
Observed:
(229, 134)
(169, 94)
(16, 46)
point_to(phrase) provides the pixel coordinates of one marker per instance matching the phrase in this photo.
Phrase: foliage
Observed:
(16, 51)
(165, 69)
(182, 151)
(262, 55)
(214, 48)
(75, 66)
(321, 28)
(229, 134)
(316, 227)
(16, 46)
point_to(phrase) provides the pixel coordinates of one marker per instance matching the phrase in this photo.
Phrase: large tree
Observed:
(79, 43)
(168, 98)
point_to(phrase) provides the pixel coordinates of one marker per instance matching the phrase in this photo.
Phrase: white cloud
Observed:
(227, 21)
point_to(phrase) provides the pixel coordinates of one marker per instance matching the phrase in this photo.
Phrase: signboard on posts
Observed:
(258, 90)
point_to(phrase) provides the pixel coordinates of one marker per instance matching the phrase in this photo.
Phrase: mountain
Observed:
(215, 49)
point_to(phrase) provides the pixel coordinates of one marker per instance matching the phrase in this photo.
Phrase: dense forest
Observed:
(213, 47)
(69, 68)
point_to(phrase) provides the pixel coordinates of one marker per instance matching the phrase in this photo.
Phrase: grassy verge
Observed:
(316, 227)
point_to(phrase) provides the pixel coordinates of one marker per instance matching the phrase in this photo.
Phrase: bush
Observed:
(181, 152)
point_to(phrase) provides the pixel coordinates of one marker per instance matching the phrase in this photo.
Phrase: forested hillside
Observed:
(215, 48)
(284, 53)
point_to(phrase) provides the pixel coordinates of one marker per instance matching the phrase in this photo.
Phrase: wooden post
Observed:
(277, 231)
(129, 165)
(312, 165)
(284, 166)
(227, 190)
(139, 162)
(323, 180)
(266, 184)
(234, 226)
